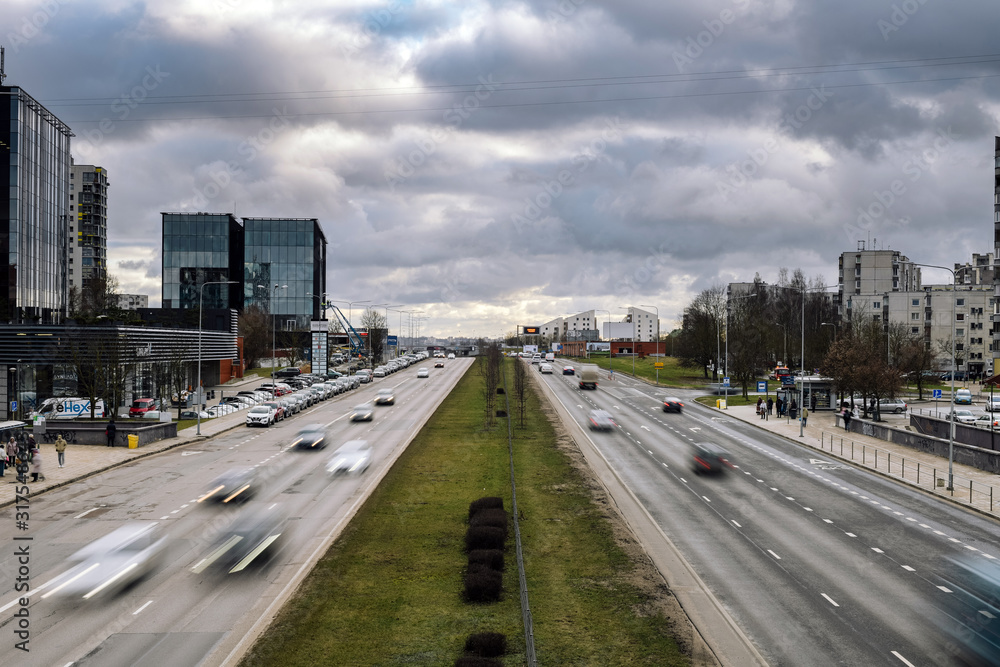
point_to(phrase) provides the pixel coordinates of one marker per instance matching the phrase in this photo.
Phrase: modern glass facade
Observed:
(202, 248)
(34, 183)
(285, 251)
(258, 252)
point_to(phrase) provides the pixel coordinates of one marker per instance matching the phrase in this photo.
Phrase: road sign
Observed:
(936, 393)
(725, 382)
(13, 406)
(658, 364)
(762, 386)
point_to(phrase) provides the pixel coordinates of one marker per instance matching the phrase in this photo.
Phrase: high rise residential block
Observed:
(34, 191)
(87, 247)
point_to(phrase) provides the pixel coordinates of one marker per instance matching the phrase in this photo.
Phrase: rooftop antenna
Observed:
(3, 75)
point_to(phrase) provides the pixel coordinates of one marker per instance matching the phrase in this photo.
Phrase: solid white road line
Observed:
(830, 600)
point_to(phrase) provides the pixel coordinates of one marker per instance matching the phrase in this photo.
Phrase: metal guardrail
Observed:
(529, 630)
(935, 479)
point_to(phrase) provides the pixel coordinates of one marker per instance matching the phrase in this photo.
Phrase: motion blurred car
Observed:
(423, 373)
(111, 563)
(710, 458)
(971, 610)
(236, 485)
(438, 364)
(671, 404)
(352, 456)
(385, 397)
(601, 420)
(569, 370)
(194, 414)
(312, 436)
(362, 413)
(250, 538)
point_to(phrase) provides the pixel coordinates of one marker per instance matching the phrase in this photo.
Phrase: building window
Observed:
(876, 304)
(959, 302)
(914, 316)
(915, 302)
(959, 332)
(960, 317)
(914, 330)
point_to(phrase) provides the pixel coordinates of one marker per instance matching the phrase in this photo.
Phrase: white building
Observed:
(582, 326)
(133, 301)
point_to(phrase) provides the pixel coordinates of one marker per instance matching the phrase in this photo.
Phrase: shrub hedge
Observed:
(484, 537)
(486, 644)
(486, 503)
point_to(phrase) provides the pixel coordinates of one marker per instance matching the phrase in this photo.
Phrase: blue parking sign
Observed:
(725, 382)
(762, 386)
(936, 393)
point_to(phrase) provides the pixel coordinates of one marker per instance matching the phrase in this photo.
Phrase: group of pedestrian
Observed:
(765, 408)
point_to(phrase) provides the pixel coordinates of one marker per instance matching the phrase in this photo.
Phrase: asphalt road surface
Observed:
(174, 616)
(816, 562)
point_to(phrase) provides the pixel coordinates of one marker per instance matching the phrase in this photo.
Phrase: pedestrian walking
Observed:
(36, 464)
(770, 406)
(10, 450)
(805, 415)
(61, 450)
(111, 431)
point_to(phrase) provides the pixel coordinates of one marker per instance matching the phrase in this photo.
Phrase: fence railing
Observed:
(935, 479)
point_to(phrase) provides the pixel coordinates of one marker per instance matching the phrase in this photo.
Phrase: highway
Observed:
(816, 562)
(176, 617)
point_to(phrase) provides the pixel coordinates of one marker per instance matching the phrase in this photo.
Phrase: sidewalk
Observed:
(82, 461)
(972, 487)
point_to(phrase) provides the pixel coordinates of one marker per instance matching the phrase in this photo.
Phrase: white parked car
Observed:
(992, 405)
(260, 415)
(962, 416)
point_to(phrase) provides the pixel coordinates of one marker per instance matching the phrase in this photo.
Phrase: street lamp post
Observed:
(201, 295)
(951, 429)
(601, 310)
(831, 324)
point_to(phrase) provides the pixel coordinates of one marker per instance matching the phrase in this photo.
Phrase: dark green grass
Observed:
(389, 590)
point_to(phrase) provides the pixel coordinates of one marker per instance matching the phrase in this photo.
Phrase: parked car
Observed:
(236, 485)
(194, 414)
(311, 436)
(962, 416)
(352, 456)
(710, 458)
(992, 404)
(141, 406)
(260, 415)
(363, 376)
(987, 421)
(894, 405)
(963, 397)
(671, 404)
(279, 409)
(601, 420)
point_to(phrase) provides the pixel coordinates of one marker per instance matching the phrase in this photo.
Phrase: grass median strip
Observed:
(389, 591)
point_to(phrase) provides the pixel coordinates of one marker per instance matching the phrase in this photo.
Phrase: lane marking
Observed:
(945, 589)
(902, 659)
(774, 554)
(850, 534)
(706, 499)
(877, 550)
(830, 600)
(142, 607)
(828, 520)
(908, 568)
(83, 514)
(736, 523)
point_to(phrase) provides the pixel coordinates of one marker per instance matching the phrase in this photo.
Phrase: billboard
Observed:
(531, 331)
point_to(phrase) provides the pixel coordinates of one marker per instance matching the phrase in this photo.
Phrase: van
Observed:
(588, 378)
(70, 408)
(141, 406)
(550, 357)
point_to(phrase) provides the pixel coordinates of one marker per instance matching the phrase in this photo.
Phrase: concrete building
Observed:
(864, 276)
(256, 253)
(581, 326)
(34, 193)
(87, 234)
(995, 309)
(640, 324)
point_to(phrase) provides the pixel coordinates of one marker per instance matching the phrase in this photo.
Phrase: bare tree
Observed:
(699, 339)
(254, 326)
(488, 367)
(375, 323)
(520, 388)
(177, 371)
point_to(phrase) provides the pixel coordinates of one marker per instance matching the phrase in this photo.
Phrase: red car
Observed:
(141, 406)
(279, 410)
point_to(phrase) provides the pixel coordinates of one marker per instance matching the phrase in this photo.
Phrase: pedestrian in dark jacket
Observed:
(111, 431)
(770, 406)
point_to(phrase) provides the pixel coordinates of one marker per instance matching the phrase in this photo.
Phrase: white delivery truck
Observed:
(69, 408)
(550, 357)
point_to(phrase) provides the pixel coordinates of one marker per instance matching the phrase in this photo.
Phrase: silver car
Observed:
(352, 456)
(362, 413)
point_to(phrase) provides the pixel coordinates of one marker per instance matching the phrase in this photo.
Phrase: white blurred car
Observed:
(111, 563)
(352, 456)
(423, 373)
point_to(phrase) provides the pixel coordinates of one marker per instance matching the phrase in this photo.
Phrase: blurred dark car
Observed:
(250, 538)
(601, 420)
(236, 485)
(385, 397)
(710, 458)
(362, 413)
(972, 609)
(352, 456)
(569, 370)
(312, 436)
(112, 563)
(671, 404)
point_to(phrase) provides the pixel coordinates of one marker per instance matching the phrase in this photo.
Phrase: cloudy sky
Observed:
(496, 163)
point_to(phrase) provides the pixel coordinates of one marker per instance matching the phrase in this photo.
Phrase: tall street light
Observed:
(831, 324)
(399, 333)
(601, 310)
(274, 321)
(951, 429)
(201, 295)
(725, 370)
(321, 304)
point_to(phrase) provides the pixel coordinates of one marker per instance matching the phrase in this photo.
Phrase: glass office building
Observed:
(34, 192)
(258, 253)
(201, 248)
